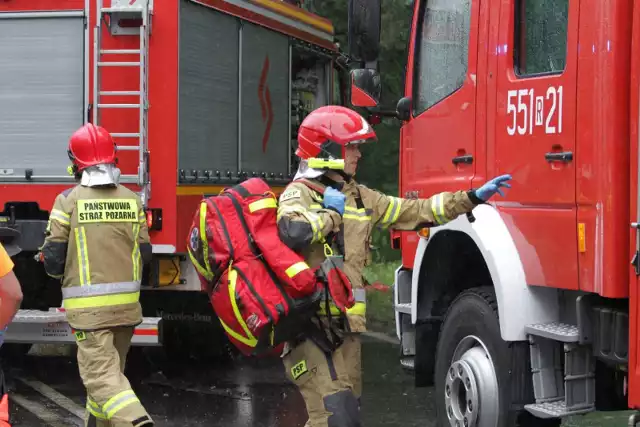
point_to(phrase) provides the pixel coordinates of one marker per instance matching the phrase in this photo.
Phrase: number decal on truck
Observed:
(530, 111)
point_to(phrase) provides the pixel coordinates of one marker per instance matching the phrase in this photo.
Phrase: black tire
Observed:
(492, 366)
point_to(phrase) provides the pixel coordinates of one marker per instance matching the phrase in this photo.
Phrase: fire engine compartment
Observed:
(224, 131)
(263, 82)
(227, 85)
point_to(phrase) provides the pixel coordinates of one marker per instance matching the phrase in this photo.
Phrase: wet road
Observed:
(46, 391)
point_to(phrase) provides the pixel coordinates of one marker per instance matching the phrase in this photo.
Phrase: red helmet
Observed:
(326, 131)
(91, 145)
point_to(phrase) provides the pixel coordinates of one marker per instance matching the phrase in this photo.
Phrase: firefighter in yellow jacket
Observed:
(97, 241)
(326, 367)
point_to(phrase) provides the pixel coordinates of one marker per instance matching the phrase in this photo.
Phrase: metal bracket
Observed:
(128, 10)
(636, 257)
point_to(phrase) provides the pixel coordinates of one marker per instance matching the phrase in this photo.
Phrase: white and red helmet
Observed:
(326, 131)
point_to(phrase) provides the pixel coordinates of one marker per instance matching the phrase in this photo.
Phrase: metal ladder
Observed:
(137, 10)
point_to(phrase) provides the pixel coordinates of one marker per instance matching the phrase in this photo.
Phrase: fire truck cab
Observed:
(198, 95)
(525, 311)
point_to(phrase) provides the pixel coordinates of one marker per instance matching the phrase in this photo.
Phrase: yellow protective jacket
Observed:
(97, 240)
(304, 224)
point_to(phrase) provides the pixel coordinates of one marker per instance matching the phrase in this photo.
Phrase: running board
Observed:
(51, 327)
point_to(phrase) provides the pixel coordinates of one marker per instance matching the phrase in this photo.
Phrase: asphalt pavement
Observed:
(46, 390)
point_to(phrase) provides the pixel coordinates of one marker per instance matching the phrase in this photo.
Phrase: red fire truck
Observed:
(525, 311)
(198, 94)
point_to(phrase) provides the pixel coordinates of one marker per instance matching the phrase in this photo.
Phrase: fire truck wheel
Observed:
(479, 378)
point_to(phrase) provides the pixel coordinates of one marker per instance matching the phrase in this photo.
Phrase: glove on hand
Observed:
(492, 187)
(334, 200)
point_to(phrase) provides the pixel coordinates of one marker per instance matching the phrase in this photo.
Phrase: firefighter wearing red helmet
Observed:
(325, 365)
(97, 241)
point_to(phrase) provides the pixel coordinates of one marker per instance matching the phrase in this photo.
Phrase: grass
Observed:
(380, 315)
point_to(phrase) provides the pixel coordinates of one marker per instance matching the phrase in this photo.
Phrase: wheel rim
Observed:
(471, 386)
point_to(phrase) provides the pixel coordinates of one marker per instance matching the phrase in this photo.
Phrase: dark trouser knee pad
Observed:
(344, 409)
(143, 421)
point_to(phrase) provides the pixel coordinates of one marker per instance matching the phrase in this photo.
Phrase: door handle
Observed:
(467, 159)
(562, 156)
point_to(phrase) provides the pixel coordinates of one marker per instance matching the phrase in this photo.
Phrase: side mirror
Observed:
(364, 21)
(365, 87)
(403, 109)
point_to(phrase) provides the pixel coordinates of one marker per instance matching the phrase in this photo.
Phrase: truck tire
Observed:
(481, 380)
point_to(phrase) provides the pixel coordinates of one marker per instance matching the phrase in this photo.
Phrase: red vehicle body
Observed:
(547, 91)
(207, 93)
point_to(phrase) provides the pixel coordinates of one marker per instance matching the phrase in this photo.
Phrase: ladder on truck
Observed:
(51, 327)
(133, 11)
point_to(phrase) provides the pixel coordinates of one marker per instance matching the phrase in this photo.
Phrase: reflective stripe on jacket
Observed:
(303, 224)
(96, 241)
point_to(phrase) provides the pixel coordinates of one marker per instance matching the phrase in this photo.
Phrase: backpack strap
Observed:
(316, 186)
(337, 238)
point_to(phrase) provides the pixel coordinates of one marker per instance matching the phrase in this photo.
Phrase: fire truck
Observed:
(198, 95)
(525, 311)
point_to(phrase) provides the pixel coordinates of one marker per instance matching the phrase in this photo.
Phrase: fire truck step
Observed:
(51, 327)
(120, 51)
(404, 308)
(408, 363)
(131, 10)
(118, 105)
(119, 92)
(118, 64)
(38, 316)
(557, 331)
(125, 135)
(555, 409)
(129, 179)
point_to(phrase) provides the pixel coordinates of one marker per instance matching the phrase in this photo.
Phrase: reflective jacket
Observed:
(304, 224)
(97, 240)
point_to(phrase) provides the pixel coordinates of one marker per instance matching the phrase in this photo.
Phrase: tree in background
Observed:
(379, 166)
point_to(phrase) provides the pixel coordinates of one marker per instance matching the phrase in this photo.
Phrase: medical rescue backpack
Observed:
(263, 292)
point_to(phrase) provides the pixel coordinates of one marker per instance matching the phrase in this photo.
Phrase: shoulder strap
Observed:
(314, 185)
(335, 240)
(359, 203)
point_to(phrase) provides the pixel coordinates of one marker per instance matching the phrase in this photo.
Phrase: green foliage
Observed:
(380, 314)
(379, 166)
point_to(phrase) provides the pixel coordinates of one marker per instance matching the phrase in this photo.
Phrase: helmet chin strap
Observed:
(347, 177)
(330, 182)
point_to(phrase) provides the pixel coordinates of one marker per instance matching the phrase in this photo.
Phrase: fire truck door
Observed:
(532, 133)
(439, 139)
(634, 197)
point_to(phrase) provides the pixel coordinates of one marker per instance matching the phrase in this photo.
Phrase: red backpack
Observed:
(262, 291)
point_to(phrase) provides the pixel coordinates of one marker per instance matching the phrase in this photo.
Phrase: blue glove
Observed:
(2, 331)
(334, 200)
(492, 187)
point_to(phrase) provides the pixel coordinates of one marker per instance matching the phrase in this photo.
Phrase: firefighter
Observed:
(325, 366)
(10, 300)
(97, 241)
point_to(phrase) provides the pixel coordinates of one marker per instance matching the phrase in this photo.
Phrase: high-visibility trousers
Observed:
(101, 361)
